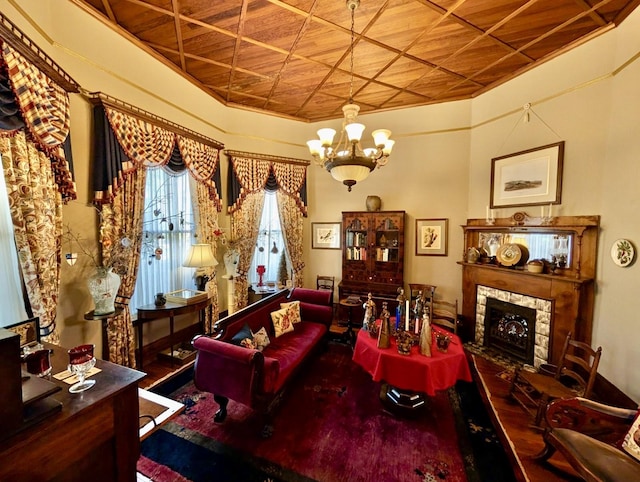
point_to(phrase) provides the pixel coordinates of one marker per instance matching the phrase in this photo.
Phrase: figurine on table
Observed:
(369, 312)
(400, 309)
(385, 327)
(418, 307)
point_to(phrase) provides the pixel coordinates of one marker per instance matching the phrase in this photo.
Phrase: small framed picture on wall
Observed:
(431, 237)
(326, 235)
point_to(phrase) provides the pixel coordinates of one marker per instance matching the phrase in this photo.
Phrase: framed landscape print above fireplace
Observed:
(528, 178)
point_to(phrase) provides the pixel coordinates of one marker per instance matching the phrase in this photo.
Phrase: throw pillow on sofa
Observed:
(244, 338)
(281, 321)
(294, 310)
(261, 338)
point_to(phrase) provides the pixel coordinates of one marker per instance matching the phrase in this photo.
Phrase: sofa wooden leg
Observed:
(221, 414)
(546, 452)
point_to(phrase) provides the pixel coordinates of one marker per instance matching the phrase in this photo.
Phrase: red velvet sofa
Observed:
(253, 378)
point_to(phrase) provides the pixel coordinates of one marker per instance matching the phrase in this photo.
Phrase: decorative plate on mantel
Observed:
(622, 252)
(509, 254)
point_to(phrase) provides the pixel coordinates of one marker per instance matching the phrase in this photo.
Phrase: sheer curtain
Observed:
(10, 283)
(167, 232)
(270, 239)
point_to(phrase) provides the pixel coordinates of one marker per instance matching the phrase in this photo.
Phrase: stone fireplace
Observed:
(516, 325)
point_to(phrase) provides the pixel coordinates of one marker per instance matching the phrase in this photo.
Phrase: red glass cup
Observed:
(38, 362)
(81, 361)
(80, 354)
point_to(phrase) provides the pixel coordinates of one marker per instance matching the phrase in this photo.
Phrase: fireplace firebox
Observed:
(510, 328)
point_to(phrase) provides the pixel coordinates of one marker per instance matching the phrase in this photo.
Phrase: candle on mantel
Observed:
(487, 215)
(416, 328)
(550, 210)
(542, 211)
(406, 322)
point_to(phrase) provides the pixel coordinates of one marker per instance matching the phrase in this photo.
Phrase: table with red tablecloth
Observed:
(414, 372)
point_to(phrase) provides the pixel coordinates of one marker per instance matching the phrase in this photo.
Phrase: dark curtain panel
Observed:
(109, 157)
(10, 116)
(234, 187)
(176, 163)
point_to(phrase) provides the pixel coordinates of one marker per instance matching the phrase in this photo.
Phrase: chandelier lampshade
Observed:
(347, 161)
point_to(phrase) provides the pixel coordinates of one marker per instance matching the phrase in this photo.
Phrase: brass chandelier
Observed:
(347, 161)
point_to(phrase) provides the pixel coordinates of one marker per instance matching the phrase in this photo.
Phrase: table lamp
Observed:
(200, 256)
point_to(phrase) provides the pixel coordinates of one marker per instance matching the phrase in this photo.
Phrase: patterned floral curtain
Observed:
(36, 161)
(245, 225)
(248, 176)
(119, 219)
(36, 211)
(207, 222)
(44, 106)
(291, 219)
(291, 178)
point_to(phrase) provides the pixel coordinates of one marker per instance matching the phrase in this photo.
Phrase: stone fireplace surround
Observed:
(543, 318)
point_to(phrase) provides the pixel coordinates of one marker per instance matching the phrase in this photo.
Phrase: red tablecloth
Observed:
(412, 372)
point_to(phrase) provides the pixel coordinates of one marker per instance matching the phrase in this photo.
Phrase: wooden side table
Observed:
(349, 336)
(91, 315)
(170, 310)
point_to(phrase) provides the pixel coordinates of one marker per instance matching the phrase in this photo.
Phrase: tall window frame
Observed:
(168, 230)
(270, 236)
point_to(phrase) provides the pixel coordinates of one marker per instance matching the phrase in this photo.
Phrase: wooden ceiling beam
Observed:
(176, 21)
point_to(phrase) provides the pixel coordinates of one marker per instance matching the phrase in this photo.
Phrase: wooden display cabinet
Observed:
(372, 258)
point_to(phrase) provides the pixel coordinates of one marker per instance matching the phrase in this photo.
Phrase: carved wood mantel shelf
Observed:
(570, 290)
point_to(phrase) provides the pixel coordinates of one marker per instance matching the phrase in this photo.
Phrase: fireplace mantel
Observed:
(571, 293)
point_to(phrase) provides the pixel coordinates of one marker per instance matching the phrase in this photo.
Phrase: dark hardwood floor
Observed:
(510, 420)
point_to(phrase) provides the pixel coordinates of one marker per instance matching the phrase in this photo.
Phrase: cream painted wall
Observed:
(440, 166)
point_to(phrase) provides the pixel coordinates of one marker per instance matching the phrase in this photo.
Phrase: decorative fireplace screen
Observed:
(511, 329)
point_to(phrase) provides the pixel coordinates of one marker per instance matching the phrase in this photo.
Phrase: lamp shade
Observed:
(200, 256)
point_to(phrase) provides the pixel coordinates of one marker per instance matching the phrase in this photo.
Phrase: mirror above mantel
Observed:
(573, 239)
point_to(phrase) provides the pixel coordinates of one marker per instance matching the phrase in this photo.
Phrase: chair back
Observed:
(325, 282)
(579, 362)
(445, 314)
(428, 292)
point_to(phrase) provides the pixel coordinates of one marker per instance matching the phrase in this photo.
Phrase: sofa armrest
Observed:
(229, 370)
(315, 305)
(603, 422)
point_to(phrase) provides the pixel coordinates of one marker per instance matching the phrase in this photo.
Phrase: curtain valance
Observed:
(32, 101)
(249, 173)
(125, 141)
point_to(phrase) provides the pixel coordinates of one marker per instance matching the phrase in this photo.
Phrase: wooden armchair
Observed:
(586, 433)
(574, 376)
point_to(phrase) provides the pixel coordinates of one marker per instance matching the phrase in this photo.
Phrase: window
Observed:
(270, 244)
(168, 232)
(13, 310)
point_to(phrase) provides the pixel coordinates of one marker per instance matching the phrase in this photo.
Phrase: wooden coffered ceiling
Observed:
(291, 58)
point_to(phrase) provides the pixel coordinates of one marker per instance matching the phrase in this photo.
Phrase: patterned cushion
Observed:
(631, 442)
(244, 338)
(282, 322)
(261, 338)
(294, 310)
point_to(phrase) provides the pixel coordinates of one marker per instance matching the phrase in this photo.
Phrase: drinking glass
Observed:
(38, 362)
(81, 361)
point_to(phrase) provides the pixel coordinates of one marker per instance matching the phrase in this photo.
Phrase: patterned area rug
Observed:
(330, 427)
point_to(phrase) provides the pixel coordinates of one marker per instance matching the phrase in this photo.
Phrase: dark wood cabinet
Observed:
(372, 257)
(94, 436)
